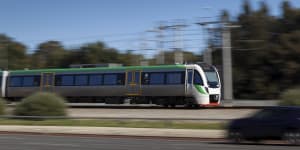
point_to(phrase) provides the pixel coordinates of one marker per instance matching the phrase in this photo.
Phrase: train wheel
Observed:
(188, 105)
(165, 105)
(192, 106)
(196, 106)
(173, 105)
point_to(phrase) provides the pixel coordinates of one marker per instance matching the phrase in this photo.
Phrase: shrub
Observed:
(290, 97)
(41, 104)
(2, 106)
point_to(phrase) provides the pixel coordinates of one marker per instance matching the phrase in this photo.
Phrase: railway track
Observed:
(153, 106)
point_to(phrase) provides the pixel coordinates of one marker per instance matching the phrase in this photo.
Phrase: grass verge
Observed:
(115, 123)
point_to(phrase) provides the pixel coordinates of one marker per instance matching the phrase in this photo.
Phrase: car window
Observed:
(270, 113)
(262, 114)
(294, 113)
(298, 113)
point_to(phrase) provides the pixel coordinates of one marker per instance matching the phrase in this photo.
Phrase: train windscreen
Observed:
(213, 80)
(211, 75)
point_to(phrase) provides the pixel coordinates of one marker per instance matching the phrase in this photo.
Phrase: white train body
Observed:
(168, 85)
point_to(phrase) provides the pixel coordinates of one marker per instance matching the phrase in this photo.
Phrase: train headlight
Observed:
(217, 97)
(206, 89)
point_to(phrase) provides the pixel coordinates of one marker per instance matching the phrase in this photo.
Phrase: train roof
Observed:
(57, 70)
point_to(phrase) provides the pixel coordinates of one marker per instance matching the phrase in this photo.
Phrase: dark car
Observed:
(274, 123)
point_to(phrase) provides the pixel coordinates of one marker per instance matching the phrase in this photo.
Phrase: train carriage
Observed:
(168, 85)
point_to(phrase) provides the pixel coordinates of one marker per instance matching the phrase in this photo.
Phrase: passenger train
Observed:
(167, 85)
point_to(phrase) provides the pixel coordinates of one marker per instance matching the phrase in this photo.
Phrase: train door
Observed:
(133, 82)
(189, 82)
(47, 82)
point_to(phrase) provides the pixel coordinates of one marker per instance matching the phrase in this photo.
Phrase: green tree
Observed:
(290, 97)
(290, 17)
(250, 51)
(94, 53)
(41, 104)
(49, 55)
(265, 51)
(2, 106)
(247, 10)
(130, 59)
(13, 54)
(98, 53)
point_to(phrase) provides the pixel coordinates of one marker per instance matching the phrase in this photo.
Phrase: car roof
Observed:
(296, 108)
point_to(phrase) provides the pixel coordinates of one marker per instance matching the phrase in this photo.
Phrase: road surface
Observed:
(157, 113)
(161, 113)
(59, 142)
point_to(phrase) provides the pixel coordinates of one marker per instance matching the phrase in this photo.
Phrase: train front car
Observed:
(203, 84)
(3, 76)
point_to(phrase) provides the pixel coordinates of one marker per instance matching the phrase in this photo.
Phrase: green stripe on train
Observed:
(16, 72)
(200, 89)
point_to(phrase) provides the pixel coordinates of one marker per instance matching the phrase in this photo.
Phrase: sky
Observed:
(121, 24)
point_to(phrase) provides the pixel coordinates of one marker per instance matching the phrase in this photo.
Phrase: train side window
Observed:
(67, 80)
(121, 79)
(57, 80)
(28, 81)
(137, 77)
(110, 79)
(145, 78)
(129, 77)
(15, 81)
(37, 81)
(31, 81)
(190, 76)
(174, 78)
(157, 78)
(81, 80)
(197, 78)
(95, 79)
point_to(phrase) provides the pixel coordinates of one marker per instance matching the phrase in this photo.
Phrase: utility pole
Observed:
(160, 44)
(226, 55)
(227, 65)
(160, 58)
(177, 42)
(143, 48)
(227, 60)
(207, 54)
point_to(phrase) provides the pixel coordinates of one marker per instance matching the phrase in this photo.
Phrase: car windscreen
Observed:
(273, 113)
